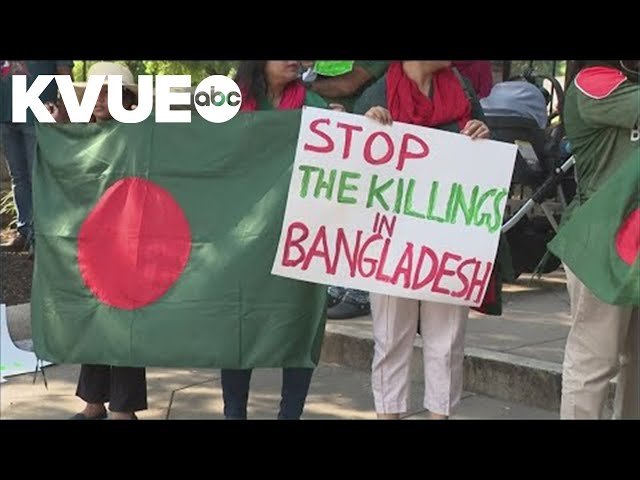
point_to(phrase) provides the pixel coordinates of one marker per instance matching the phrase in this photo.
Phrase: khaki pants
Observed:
(442, 327)
(602, 343)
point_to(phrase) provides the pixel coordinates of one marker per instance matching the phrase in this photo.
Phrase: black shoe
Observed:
(332, 299)
(348, 308)
(82, 416)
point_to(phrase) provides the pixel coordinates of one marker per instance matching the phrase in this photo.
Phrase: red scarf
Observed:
(408, 104)
(292, 98)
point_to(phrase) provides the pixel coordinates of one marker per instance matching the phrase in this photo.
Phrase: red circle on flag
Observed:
(134, 244)
(628, 238)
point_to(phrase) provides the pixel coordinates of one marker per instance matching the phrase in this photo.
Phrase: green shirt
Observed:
(376, 69)
(32, 69)
(311, 99)
(599, 131)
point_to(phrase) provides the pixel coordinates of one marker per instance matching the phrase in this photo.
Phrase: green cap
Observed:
(333, 69)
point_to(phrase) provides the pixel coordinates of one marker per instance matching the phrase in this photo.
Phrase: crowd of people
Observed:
(602, 109)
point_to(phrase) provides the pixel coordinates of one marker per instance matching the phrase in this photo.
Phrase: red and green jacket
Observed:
(600, 235)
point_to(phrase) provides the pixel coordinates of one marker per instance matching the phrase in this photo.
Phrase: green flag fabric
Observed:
(600, 242)
(155, 242)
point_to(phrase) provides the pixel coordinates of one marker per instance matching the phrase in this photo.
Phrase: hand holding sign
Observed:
(380, 114)
(476, 129)
(401, 210)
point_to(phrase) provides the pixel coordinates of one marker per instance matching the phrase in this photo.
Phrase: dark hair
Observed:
(250, 78)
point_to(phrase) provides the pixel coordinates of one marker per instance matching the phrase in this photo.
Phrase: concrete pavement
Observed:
(515, 359)
(337, 393)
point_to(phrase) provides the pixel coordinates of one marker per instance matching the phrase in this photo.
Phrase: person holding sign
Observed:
(599, 239)
(429, 94)
(270, 85)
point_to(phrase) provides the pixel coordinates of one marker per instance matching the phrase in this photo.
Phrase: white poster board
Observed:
(13, 360)
(401, 210)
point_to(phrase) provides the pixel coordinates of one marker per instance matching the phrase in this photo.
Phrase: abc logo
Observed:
(217, 98)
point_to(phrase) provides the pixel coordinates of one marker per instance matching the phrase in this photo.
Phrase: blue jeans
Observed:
(19, 147)
(295, 386)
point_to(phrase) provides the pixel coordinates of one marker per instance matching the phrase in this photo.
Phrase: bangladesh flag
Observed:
(600, 242)
(155, 243)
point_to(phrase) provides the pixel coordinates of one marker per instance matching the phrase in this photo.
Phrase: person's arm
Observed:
(373, 103)
(342, 85)
(374, 96)
(476, 108)
(477, 113)
(351, 83)
(477, 127)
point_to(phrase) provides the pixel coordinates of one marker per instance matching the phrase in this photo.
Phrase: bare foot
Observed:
(93, 410)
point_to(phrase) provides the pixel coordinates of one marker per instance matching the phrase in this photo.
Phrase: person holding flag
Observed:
(156, 244)
(123, 387)
(599, 241)
(270, 85)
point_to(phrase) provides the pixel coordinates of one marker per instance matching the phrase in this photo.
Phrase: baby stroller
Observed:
(519, 111)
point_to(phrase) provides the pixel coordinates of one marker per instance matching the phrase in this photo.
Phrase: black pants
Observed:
(295, 386)
(125, 388)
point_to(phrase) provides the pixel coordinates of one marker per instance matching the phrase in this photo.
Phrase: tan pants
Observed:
(602, 343)
(442, 327)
